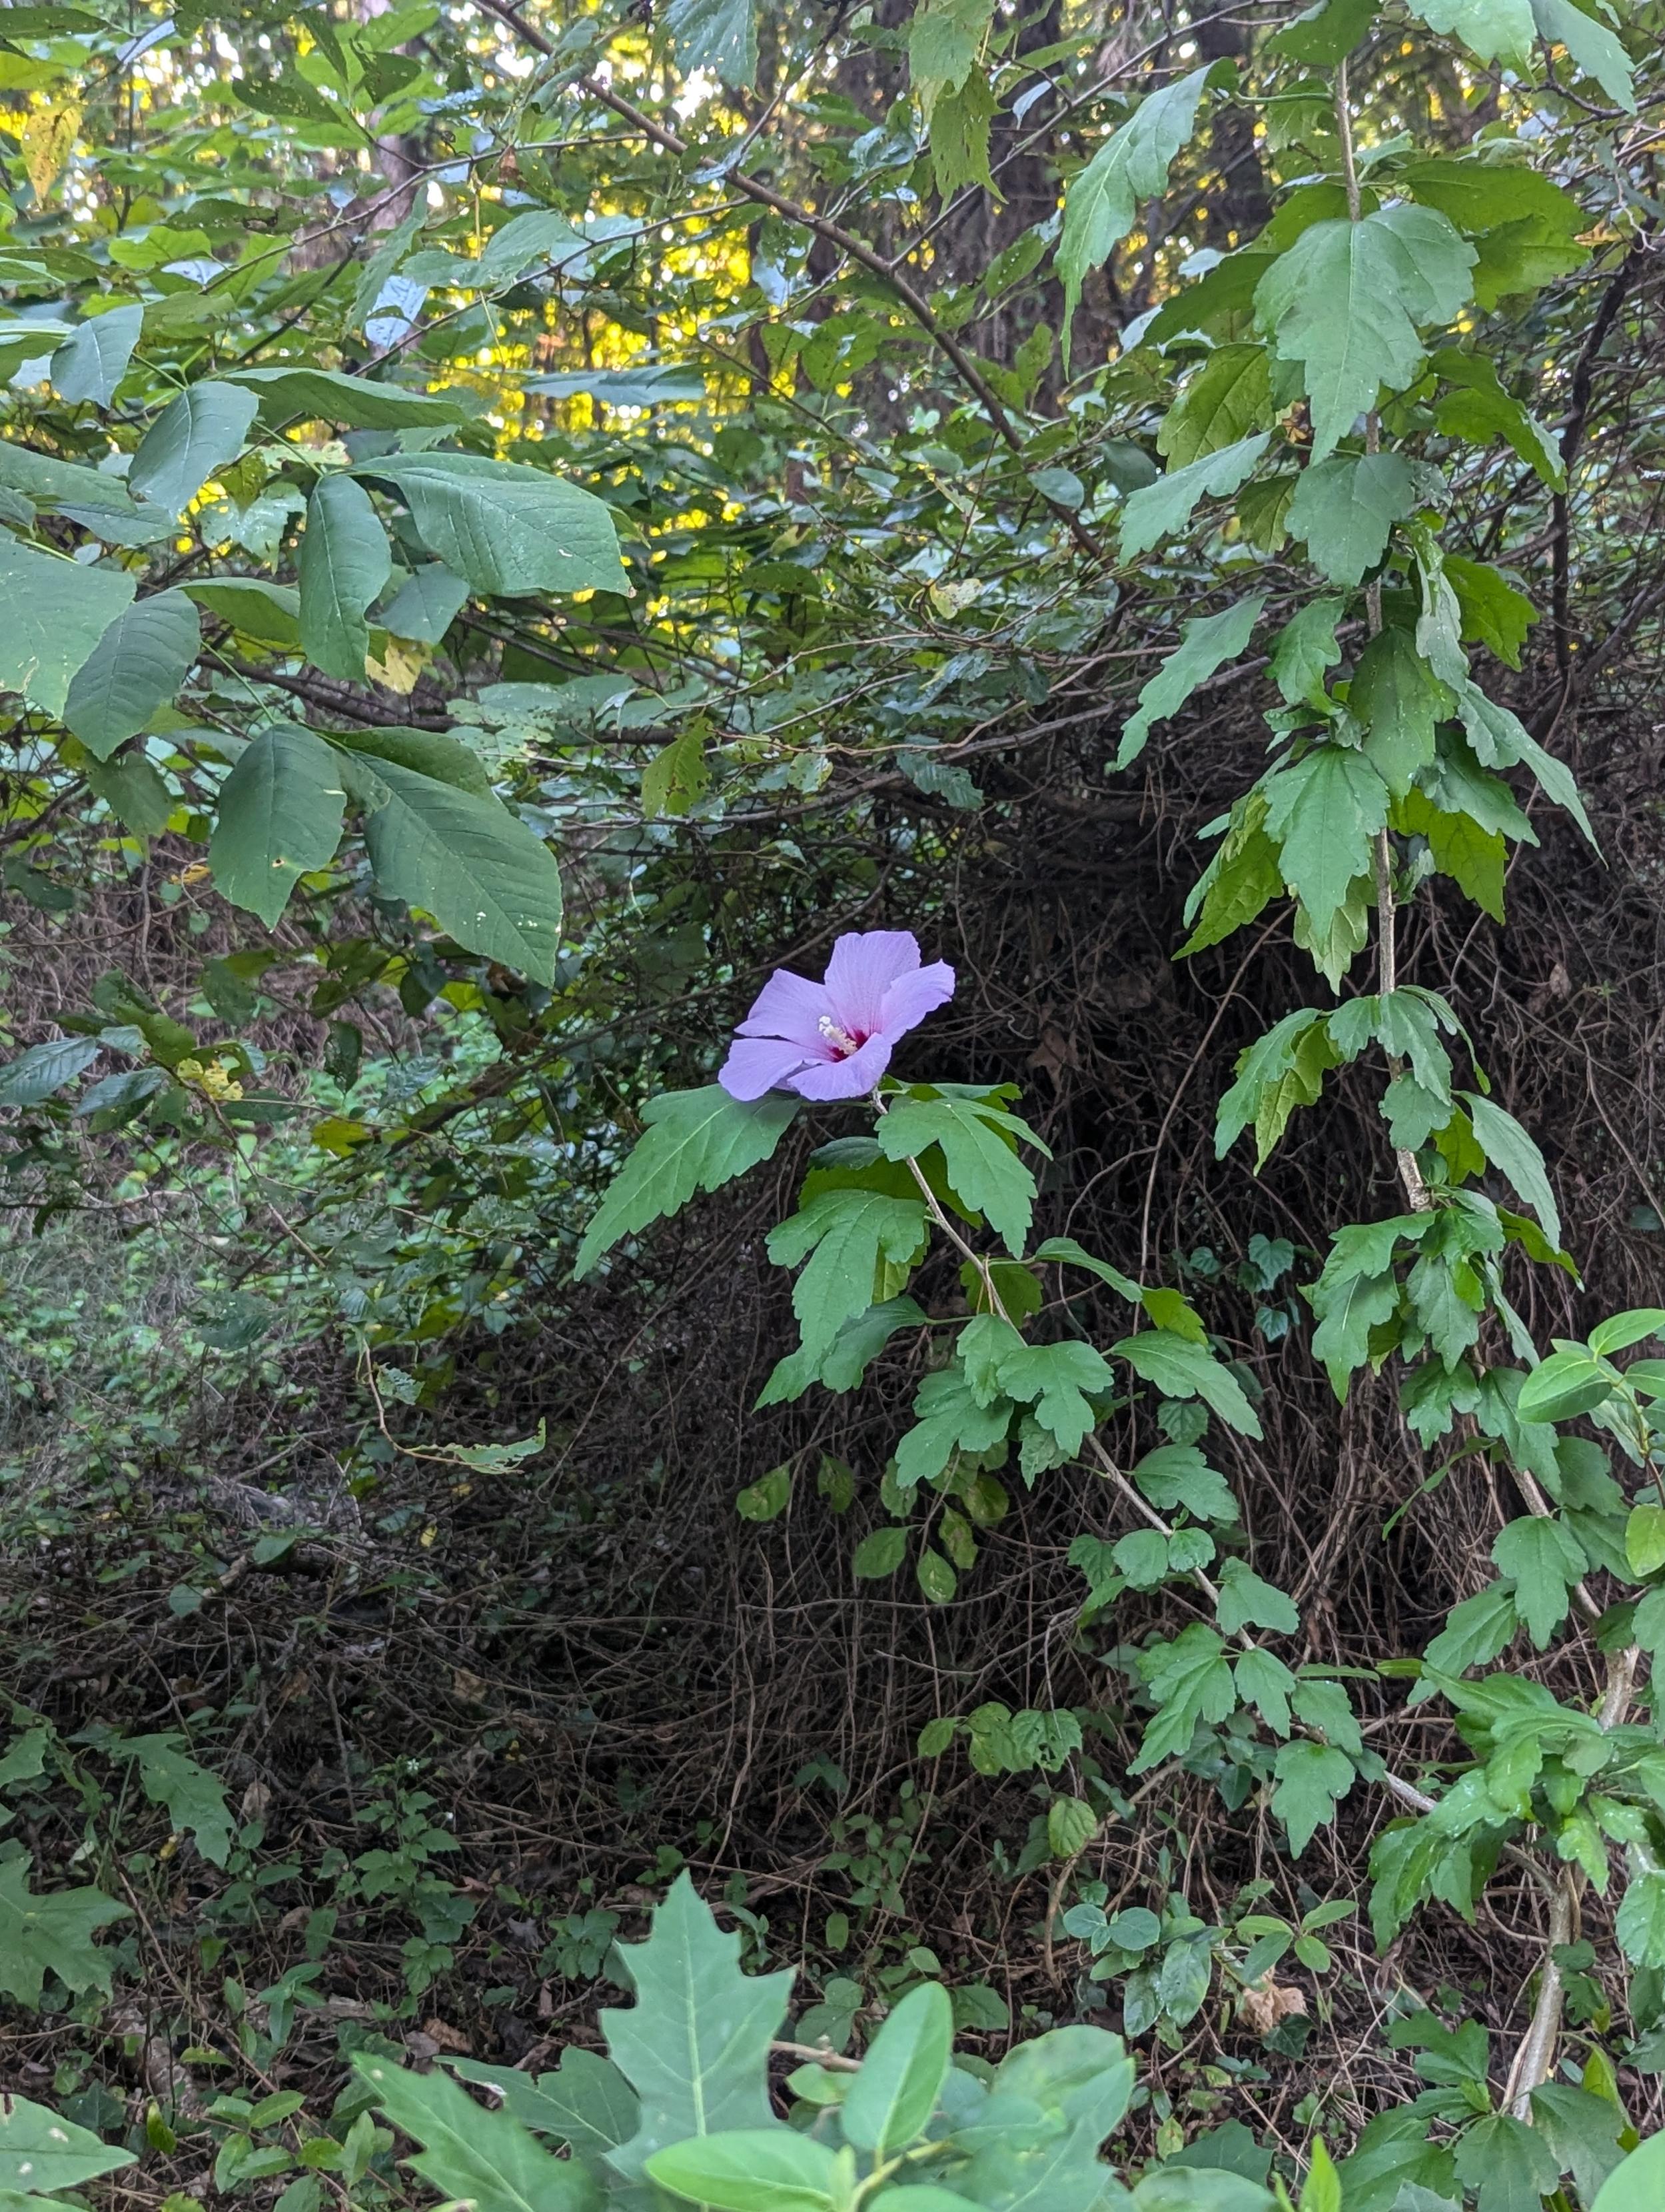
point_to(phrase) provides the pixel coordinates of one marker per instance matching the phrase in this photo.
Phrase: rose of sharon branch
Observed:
(834, 1039)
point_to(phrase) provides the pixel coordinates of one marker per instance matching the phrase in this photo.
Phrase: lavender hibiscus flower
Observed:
(834, 1039)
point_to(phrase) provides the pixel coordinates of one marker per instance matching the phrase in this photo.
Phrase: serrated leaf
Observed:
(1312, 1779)
(1508, 1146)
(586, 2103)
(56, 613)
(841, 1234)
(506, 527)
(136, 666)
(1229, 397)
(195, 434)
(1178, 1474)
(35, 1075)
(1180, 1369)
(1347, 301)
(487, 879)
(51, 1933)
(1306, 648)
(719, 35)
(1324, 813)
(1399, 700)
(93, 360)
(1545, 1558)
(678, 776)
(695, 2045)
(984, 1170)
(1480, 409)
(281, 813)
(1345, 510)
(1491, 29)
(196, 1800)
(1494, 614)
(1205, 645)
(695, 1140)
(487, 2158)
(1507, 2163)
(1155, 509)
(1592, 46)
(1101, 203)
(1246, 1601)
(345, 563)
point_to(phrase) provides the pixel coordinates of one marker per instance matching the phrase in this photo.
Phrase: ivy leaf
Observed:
(487, 879)
(1155, 509)
(1346, 507)
(280, 813)
(1346, 301)
(1312, 1780)
(1229, 397)
(345, 563)
(57, 611)
(977, 1142)
(1324, 813)
(1400, 701)
(843, 1233)
(1188, 1680)
(195, 434)
(695, 2045)
(1246, 1601)
(719, 35)
(953, 1417)
(196, 1800)
(1544, 1557)
(487, 2158)
(39, 1934)
(93, 360)
(1102, 203)
(1180, 1369)
(1489, 28)
(136, 666)
(1306, 648)
(1053, 1377)
(1592, 46)
(1205, 644)
(695, 1140)
(505, 527)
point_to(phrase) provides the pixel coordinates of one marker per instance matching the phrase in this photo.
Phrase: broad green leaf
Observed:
(853, 1350)
(433, 753)
(35, 1075)
(1306, 648)
(1491, 29)
(953, 1417)
(358, 403)
(196, 1800)
(1155, 509)
(1347, 301)
(1229, 397)
(765, 1500)
(695, 1140)
(345, 563)
(93, 360)
(1393, 2154)
(41, 2151)
(944, 41)
(269, 614)
(880, 1552)
(1500, 739)
(1473, 857)
(487, 880)
(56, 613)
(843, 1234)
(959, 126)
(195, 434)
(1645, 1540)
(902, 2074)
(678, 776)
(1240, 881)
(982, 1166)
(136, 666)
(1346, 507)
(1592, 46)
(752, 2170)
(1178, 1474)
(1583, 2132)
(1494, 614)
(1621, 1330)
(1639, 2179)
(1246, 1601)
(1279, 1072)
(1188, 1680)
(586, 2103)
(1324, 813)
(487, 2158)
(281, 812)
(1399, 700)
(1480, 410)
(695, 2045)
(1570, 1382)
(1325, 34)
(1312, 1778)
(426, 604)
(1205, 644)
(719, 35)
(1053, 1378)
(506, 527)
(1066, 1252)
(1545, 1558)
(1510, 1149)
(1180, 1369)
(1508, 2163)
(51, 1933)
(1475, 1631)
(64, 486)
(1101, 203)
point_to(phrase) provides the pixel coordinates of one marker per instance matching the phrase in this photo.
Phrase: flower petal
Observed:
(755, 1065)
(792, 1007)
(845, 1078)
(910, 998)
(863, 966)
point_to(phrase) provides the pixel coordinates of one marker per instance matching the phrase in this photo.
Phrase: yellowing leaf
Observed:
(48, 136)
